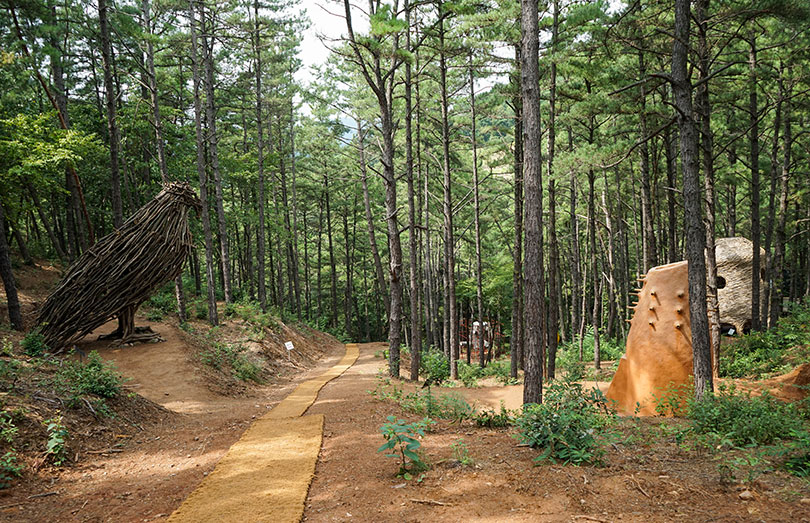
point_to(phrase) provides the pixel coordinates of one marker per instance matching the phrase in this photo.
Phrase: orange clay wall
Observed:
(659, 345)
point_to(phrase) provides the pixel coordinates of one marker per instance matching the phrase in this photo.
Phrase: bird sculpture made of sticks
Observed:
(121, 271)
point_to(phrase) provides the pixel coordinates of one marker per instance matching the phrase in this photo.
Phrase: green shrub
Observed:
(9, 469)
(434, 366)
(10, 372)
(566, 425)
(7, 428)
(469, 374)
(162, 303)
(33, 344)
(743, 419)
(96, 377)
(761, 354)
(490, 418)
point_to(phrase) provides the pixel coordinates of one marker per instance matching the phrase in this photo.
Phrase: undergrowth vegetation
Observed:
(233, 358)
(569, 426)
(569, 362)
(423, 402)
(771, 352)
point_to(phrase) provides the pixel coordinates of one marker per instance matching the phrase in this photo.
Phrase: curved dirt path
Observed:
(265, 476)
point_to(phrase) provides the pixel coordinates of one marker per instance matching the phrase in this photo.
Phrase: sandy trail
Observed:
(265, 476)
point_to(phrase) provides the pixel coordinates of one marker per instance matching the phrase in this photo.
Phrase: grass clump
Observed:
(224, 356)
(567, 425)
(450, 406)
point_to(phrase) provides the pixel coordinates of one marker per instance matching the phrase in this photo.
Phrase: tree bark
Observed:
(260, 246)
(6, 273)
(755, 194)
(211, 124)
(533, 274)
(706, 143)
(413, 241)
(695, 231)
(516, 341)
(201, 171)
(112, 123)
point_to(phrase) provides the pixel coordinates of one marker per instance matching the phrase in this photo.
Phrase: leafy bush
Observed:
(34, 344)
(490, 418)
(7, 428)
(9, 469)
(566, 424)
(402, 441)
(10, 372)
(434, 365)
(469, 374)
(774, 351)
(610, 349)
(743, 419)
(96, 377)
(162, 303)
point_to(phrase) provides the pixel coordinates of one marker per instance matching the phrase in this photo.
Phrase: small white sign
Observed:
(289, 345)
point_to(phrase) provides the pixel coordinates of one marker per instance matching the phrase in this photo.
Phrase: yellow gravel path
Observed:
(265, 475)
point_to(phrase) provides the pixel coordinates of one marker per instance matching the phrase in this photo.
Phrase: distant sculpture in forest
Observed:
(121, 271)
(658, 355)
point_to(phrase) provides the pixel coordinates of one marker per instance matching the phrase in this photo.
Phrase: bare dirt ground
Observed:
(161, 458)
(643, 481)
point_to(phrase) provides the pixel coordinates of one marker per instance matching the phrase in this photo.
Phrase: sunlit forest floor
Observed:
(187, 399)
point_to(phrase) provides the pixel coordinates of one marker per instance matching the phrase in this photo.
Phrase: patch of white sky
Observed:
(328, 25)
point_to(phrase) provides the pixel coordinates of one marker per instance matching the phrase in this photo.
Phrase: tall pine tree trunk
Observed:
(112, 123)
(695, 231)
(211, 125)
(533, 274)
(201, 171)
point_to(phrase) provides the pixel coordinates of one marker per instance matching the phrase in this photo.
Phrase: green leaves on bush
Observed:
(434, 366)
(9, 468)
(96, 377)
(744, 419)
(567, 425)
(402, 441)
(56, 447)
(33, 344)
(222, 356)
(770, 352)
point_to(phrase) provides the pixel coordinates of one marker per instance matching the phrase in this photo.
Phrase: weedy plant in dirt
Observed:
(492, 419)
(451, 405)
(568, 425)
(461, 453)
(402, 441)
(56, 447)
(434, 366)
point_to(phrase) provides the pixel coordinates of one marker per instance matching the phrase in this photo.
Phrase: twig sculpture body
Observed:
(121, 271)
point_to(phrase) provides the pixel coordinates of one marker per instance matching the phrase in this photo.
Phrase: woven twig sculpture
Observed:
(121, 271)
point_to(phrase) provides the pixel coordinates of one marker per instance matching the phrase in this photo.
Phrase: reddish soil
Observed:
(647, 478)
(164, 454)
